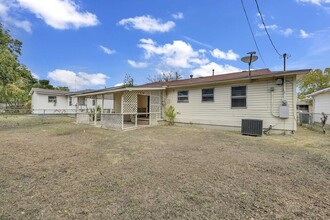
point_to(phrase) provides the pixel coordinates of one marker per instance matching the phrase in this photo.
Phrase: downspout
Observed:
(271, 104)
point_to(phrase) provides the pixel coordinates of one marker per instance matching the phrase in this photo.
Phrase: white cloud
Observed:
(178, 15)
(316, 2)
(206, 70)
(137, 64)
(107, 50)
(60, 14)
(269, 27)
(287, 32)
(9, 19)
(230, 55)
(147, 23)
(304, 34)
(179, 54)
(198, 42)
(119, 84)
(77, 80)
(35, 75)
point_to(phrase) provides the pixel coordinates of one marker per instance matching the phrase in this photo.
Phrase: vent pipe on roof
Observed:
(191, 76)
(212, 72)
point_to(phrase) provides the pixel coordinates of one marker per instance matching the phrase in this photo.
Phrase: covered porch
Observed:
(133, 107)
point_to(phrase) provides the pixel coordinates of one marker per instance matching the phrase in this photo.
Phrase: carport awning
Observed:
(120, 89)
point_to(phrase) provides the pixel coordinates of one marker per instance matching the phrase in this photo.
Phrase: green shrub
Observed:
(170, 114)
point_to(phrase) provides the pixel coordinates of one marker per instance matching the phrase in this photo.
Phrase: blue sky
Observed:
(93, 44)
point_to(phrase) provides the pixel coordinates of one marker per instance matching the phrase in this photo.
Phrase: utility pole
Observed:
(284, 61)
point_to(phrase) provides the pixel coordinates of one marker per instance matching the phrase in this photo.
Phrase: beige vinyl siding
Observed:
(220, 112)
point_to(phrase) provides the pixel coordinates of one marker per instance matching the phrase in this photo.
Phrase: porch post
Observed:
(95, 110)
(102, 104)
(77, 104)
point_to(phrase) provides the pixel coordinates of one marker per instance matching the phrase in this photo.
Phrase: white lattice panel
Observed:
(155, 103)
(112, 120)
(153, 119)
(129, 102)
(154, 108)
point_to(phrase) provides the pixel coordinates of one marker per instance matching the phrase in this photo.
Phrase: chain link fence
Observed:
(25, 118)
(312, 120)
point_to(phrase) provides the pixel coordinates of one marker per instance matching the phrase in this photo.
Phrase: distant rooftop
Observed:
(57, 92)
(320, 91)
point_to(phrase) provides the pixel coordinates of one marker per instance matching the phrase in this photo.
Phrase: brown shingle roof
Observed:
(225, 77)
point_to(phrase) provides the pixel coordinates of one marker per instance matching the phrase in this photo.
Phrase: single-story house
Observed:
(321, 103)
(47, 101)
(219, 100)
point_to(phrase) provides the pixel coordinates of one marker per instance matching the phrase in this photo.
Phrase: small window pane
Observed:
(208, 95)
(238, 96)
(51, 98)
(240, 102)
(182, 93)
(238, 91)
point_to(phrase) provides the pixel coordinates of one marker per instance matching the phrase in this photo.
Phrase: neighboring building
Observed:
(303, 106)
(220, 100)
(321, 103)
(46, 101)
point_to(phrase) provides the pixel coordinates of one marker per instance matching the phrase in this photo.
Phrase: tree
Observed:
(15, 78)
(43, 84)
(62, 88)
(313, 81)
(128, 80)
(165, 77)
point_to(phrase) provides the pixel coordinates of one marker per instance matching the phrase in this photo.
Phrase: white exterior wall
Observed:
(322, 103)
(40, 104)
(220, 112)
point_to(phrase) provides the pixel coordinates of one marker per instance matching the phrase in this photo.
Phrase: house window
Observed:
(238, 97)
(183, 96)
(93, 102)
(70, 101)
(52, 99)
(81, 101)
(208, 95)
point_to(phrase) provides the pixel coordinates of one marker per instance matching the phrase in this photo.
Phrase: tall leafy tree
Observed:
(43, 84)
(15, 78)
(314, 81)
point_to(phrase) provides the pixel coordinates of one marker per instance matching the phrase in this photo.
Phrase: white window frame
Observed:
(208, 95)
(183, 96)
(238, 97)
(52, 99)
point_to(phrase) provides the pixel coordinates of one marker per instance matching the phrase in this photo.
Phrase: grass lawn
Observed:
(54, 169)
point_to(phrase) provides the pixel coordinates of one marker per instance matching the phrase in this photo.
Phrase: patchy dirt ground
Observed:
(55, 169)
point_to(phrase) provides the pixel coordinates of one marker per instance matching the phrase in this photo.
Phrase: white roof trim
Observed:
(320, 91)
(120, 90)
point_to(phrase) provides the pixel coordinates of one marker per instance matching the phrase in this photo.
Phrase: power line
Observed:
(265, 27)
(254, 39)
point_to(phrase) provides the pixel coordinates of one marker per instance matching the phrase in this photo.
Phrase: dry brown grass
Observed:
(66, 171)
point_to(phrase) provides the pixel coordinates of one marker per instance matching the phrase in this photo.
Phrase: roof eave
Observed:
(319, 92)
(287, 73)
(120, 90)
